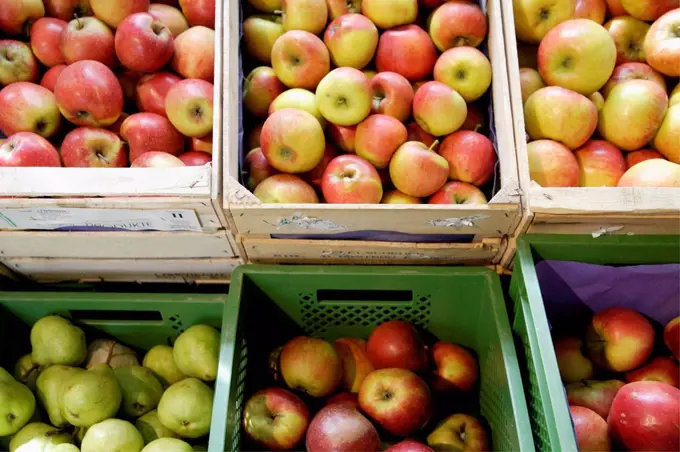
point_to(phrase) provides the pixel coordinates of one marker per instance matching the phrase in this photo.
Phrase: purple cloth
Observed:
(573, 291)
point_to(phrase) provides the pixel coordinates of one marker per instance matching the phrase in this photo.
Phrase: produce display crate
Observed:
(119, 196)
(373, 234)
(463, 304)
(546, 399)
(595, 211)
(139, 321)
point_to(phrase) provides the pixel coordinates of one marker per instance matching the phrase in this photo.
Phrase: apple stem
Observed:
(433, 145)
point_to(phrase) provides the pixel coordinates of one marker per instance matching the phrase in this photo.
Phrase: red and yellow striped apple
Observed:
(292, 140)
(601, 164)
(377, 139)
(417, 170)
(457, 192)
(552, 164)
(285, 189)
(350, 179)
(471, 157)
(89, 147)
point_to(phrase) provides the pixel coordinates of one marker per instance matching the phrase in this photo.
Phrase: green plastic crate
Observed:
(275, 303)
(546, 400)
(137, 320)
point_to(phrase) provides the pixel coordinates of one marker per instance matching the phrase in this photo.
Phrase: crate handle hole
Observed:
(87, 315)
(335, 295)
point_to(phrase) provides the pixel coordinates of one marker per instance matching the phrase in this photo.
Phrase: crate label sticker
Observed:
(77, 219)
(458, 223)
(304, 222)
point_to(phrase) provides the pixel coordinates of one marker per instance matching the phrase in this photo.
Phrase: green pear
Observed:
(26, 371)
(90, 397)
(197, 352)
(140, 389)
(168, 445)
(39, 437)
(152, 429)
(64, 448)
(55, 340)
(112, 435)
(17, 404)
(48, 388)
(160, 360)
(186, 408)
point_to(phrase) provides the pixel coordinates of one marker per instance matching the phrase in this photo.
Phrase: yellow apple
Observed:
(535, 18)
(299, 98)
(292, 141)
(351, 40)
(530, 82)
(390, 13)
(466, 70)
(306, 15)
(652, 173)
(675, 96)
(667, 140)
(266, 6)
(344, 96)
(662, 44)
(629, 36)
(260, 32)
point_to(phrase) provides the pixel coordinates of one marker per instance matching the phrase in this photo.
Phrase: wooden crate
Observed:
(592, 211)
(118, 191)
(257, 224)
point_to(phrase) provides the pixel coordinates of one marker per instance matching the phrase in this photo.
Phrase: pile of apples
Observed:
(597, 101)
(106, 83)
(384, 388)
(622, 397)
(359, 96)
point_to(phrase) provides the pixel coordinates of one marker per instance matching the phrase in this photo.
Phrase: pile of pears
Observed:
(67, 397)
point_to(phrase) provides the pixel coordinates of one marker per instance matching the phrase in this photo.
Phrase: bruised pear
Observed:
(90, 397)
(48, 388)
(186, 408)
(37, 436)
(197, 351)
(55, 340)
(106, 351)
(140, 389)
(112, 435)
(151, 428)
(161, 361)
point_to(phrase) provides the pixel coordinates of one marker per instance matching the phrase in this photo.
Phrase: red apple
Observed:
(348, 399)
(551, 164)
(471, 157)
(17, 63)
(49, 79)
(275, 418)
(128, 81)
(195, 158)
(195, 54)
(300, 59)
(635, 157)
(156, 160)
(601, 164)
(28, 149)
(377, 139)
(171, 17)
(397, 399)
(661, 368)
(68, 9)
(27, 107)
(292, 140)
(149, 132)
(115, 127)
(474, 120)
(113, 12)
(645, 416)
(199, 12)
(456, 192)
(590, 430)
(311, 365)
(355, 362)
(89, 94)
(416, 133)
(457, 23)
(671, 336)
(315, 176)
(594, 395)
(88, 38)
(459, 432)
(619, 339)
(632, 71)
(87, 147)
(439, 109)
(392, 95)
(258, 168)
(143, 43)
(343, 136)
(661, 43)
(594, 10)
(406, 50)
(260, 89)
(151, 90)
(16, 16)
(285, 189)
(417, 170)
(45, 38)
(340, 428)
(573, 365)
(202, 144)
(615, 9)
(628, 34)
(409, 445)
(189, 107)
(351, 179)
(397, 344)
(456, 368)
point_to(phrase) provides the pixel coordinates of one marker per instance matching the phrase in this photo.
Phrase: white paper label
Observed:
(51, 219)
